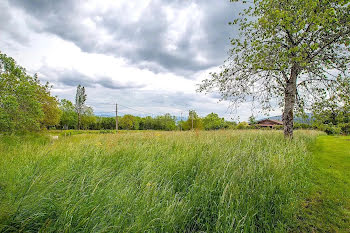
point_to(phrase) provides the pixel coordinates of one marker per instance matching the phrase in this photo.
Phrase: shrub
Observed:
(332, 129)
(345, 128)
(254, 126)
(278, 127)
(104, 131)
(302, 126)
(242, 125)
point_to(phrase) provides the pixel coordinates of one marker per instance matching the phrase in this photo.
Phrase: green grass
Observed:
(328, 207)
(218, 181)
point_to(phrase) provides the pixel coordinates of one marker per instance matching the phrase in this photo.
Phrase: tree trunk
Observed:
(289, 102)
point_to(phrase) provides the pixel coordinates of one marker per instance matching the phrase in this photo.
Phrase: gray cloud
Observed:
(73, 78)
(143, 42)
(10, 24)
(108, 82)
(145, 101)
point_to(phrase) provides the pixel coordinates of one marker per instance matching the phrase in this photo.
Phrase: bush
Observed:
(254, 126)
(278, 127)
(242, 125)
(345, 128)
(332, 130)
(104, 131)
(302, 126)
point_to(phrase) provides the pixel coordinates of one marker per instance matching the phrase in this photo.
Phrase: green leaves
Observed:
(25, 104)
(20, 106)
(213, 121)
(274, 36)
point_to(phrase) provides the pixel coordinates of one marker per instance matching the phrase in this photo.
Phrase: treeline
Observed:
(89, 121)
(27, 105)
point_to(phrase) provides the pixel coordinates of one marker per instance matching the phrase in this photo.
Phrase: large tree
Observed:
(20, 109)
(290, 51)
(80, 99)
(25, 104)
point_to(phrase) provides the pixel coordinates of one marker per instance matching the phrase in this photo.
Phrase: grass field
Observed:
(218, 181)
(328, 207)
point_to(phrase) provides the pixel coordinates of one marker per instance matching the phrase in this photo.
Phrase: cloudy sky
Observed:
(145, 54)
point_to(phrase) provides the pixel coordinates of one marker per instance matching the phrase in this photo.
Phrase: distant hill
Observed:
(104, 114)
(307, 120)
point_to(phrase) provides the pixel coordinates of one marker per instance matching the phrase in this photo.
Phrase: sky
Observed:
(148, 55)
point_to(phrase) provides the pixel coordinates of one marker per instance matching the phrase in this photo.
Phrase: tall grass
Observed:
(221, 181)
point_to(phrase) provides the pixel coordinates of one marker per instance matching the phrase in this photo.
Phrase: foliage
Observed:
(129, 122)
(277, 127)
(230, 124)
(302, 126)
(213, 121)
(286, 52)
(147, 123)
(332, 112)
(217, 181)
(69, 116)
(332, 129)
(50, 105)
(105, 123)
(252, 120)
(25, 104)
(193, 121)
(345, 128)
(242, 125)
(166, 122)
(88, 119)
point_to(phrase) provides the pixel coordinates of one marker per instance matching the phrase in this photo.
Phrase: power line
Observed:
(131, 108)
(136, 109)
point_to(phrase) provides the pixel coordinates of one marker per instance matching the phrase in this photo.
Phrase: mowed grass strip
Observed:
(328, 207)
(218, 181)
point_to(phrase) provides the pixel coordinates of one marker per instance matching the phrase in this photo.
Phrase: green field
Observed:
(327, 209)
(216, 181)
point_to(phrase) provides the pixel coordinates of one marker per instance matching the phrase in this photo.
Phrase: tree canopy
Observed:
(213, 121)
(289, 51)
(25, 104)
(69, 118)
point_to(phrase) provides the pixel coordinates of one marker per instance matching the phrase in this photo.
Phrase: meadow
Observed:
(152, 181)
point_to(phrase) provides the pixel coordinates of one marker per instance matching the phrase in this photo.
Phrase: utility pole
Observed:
(116, 117)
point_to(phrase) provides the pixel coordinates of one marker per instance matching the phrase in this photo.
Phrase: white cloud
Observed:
(158, 73)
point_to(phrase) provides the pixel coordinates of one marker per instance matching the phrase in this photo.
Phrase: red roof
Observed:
(269, 122)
